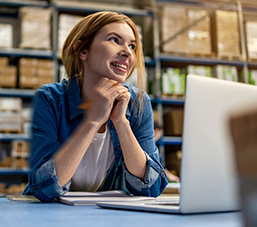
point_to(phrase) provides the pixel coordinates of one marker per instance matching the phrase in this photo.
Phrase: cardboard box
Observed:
(173, 122)
(28, 71)
(228, 43)
(45, 72)
(45, 80)
(29, 62)
(251, 34)
(28, 82)
(4, 61)
(20, 149)
(8, 70)
(8, 81)
(45, 64)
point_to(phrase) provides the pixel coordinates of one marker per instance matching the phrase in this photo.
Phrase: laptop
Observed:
(208, 172)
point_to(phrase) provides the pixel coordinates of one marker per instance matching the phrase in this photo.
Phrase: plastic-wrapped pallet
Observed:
(173, 82)
(6, 35)
(66, 23)
(251, 33)
(10, 115)
(227, 72)
(196, 40)
(252, 77)
(227, 34)
(173, 20)
(199, 70)
(35, 28)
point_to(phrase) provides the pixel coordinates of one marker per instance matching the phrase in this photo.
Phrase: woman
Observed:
(92, 132)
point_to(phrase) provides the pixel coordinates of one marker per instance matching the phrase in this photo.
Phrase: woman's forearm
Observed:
(134, 156)
(71, 153)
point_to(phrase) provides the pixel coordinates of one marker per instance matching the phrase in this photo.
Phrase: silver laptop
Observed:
(208, 174)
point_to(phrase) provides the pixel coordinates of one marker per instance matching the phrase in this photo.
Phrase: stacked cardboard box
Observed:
(10, 114)
(199, 70)
(66, 23)
(35, 72)
(173, 82)
(228, 43)
(35, 28)
(8, 74)
(227, 72)
(173, 122)
(6, 35)
(20, 154)
(196, 40)
(251, 33)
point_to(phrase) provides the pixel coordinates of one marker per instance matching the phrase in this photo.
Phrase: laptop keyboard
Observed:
(164, 203)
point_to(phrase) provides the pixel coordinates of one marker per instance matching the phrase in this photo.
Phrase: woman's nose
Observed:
(126, 51)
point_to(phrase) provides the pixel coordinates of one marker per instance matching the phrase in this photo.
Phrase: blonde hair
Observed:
(84, 32)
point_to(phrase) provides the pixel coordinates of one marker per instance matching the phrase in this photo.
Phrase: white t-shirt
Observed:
(95, 163)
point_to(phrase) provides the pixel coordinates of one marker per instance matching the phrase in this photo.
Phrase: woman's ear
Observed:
(82, 54)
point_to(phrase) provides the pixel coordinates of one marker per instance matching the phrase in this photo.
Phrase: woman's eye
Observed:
(114, 40)
(132, 46)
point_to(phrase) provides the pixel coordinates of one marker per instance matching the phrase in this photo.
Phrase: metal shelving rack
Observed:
(235, 5)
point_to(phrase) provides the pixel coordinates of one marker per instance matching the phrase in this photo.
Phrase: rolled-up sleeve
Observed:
(44, 184)
(152, 183)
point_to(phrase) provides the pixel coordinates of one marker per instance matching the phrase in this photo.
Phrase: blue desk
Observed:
(55, 214)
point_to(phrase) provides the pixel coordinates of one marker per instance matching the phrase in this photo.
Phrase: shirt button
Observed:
(161, 172)
(112, 126)
(117, 148)
(35, 187)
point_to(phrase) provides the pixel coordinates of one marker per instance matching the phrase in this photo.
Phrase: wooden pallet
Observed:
(230, 57)
(192, 55)
(252, 60)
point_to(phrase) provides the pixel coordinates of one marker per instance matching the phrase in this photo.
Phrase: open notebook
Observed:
(208, 174)
(91, 198)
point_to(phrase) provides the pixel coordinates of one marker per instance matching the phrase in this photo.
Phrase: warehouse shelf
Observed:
(20, 93)
(11, 171)
(24, 3)
(168, 100)
(14, 136)
(29, 53)
(170, 140)
(92, 7)
(199, 60)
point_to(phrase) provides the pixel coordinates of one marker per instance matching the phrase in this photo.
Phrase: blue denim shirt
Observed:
(54, 119)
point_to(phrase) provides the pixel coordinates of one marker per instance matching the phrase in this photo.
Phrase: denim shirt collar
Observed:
(74, 99)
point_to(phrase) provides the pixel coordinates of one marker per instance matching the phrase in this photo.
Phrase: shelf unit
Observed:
(155, 61)
(173, 60)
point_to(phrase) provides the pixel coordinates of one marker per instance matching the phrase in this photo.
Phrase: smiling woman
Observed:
(93, 132)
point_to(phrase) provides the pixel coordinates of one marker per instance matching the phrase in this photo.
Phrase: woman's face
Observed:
(112, 53)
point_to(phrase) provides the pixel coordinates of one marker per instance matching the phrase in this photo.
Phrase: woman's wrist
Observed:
(121, 124)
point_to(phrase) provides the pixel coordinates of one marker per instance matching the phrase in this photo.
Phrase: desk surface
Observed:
(14, 213)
